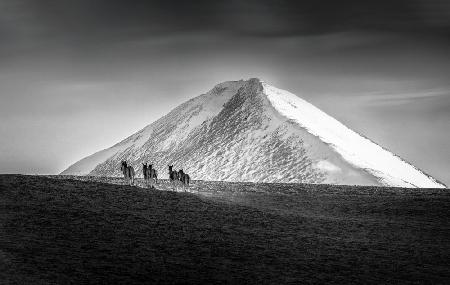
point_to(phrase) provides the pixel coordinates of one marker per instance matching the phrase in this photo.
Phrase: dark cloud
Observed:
(84, 21)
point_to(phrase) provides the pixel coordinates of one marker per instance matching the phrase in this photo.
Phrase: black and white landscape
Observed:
(224, 142)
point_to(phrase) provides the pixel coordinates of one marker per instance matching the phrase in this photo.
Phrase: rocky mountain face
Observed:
(251, 131)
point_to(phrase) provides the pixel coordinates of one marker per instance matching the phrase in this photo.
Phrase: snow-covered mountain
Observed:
(252, 131)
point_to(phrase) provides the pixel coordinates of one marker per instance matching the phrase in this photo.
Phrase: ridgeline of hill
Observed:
(252, 131)
(71, 231)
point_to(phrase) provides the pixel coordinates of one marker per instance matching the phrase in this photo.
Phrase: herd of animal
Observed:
(151, 175)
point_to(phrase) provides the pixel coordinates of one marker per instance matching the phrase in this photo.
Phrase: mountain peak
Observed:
(254, 80)
(248, 130)
(236, 84)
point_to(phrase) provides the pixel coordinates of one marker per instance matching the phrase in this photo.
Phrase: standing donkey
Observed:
(152, 175)
(144, 171)
(184, 178)
(173, 176)
(128, 172)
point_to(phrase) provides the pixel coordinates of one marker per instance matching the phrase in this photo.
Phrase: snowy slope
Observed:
(357, 150)
(181, 121)
(251, 131)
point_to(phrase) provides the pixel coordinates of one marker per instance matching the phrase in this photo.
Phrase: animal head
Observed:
(170, 168)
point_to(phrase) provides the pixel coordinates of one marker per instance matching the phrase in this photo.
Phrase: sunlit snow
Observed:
(355, 149)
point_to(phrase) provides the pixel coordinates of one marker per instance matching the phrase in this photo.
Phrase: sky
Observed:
(78, 76)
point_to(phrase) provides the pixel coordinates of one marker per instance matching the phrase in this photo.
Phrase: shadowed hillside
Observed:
(72, 231)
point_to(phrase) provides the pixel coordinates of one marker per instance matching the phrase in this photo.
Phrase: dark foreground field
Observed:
(70, 231)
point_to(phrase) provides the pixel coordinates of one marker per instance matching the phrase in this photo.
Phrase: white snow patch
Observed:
(328, 166)
(355, 149)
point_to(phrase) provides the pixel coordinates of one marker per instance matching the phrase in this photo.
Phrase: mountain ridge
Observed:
(252, 131)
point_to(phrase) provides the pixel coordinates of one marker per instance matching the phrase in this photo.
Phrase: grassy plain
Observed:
(67, 230)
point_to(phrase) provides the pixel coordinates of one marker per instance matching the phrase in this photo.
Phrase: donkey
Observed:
(173, 175)
(128, 172)
(152, 175)
(144, 171)
(184, 178)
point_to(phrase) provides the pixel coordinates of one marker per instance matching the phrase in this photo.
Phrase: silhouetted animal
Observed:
(144, 171)
(152, 174)
(173, 175)
(184, 177)
(128, 172)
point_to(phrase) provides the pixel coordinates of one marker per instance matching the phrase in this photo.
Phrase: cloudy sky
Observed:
(79, 76)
